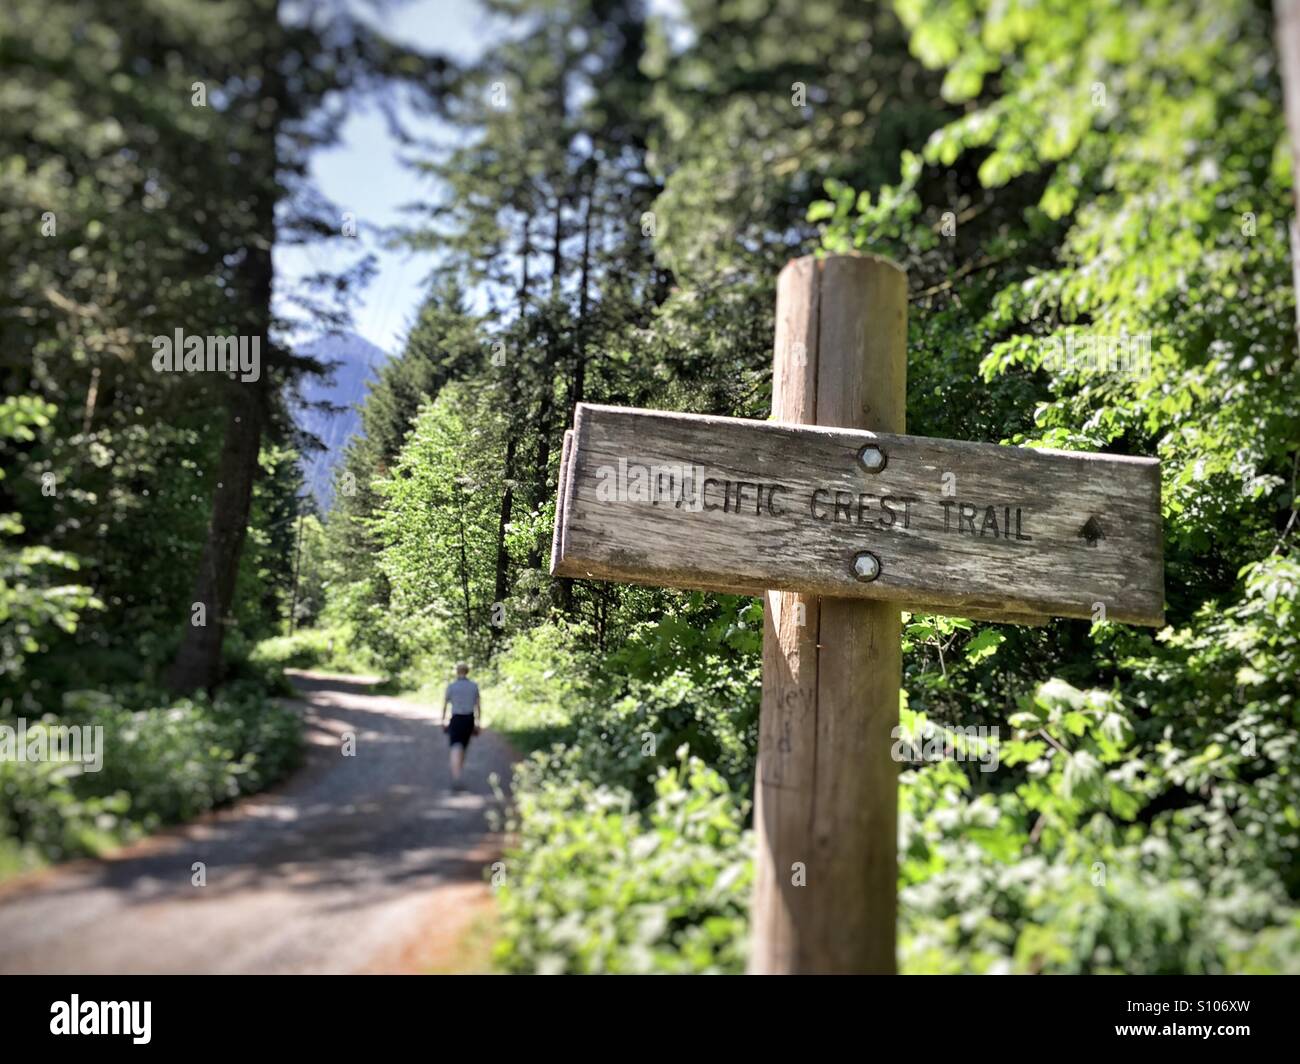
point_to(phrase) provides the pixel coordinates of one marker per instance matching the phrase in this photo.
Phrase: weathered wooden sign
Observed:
(823, 517)
(972, 529)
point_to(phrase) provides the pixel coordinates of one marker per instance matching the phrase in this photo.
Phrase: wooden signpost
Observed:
(680, 500)
(840, 519)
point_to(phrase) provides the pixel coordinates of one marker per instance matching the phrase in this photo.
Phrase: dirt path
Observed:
(364, 863)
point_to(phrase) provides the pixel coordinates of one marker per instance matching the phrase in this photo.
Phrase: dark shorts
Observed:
(460, 729)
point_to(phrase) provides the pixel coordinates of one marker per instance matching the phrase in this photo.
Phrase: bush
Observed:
(626, 742)
(163, 762)
(1069, 873)
(544, 665)
(631, 852)
(595, 886)
(329, 649)
(540, 684)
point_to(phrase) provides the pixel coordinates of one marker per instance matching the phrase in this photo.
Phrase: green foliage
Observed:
(625, 739)
(1165, 769)
(631, 854)
(445, 340)
(542, 682)
(33, 607)
(162, 762)
(595, 885)
(328, 649)
(437, 514)
(1143, 817)
(265, 584)
(314, 573)
(758, 105)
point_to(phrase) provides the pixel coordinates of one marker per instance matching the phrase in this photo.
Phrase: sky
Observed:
(362, 174)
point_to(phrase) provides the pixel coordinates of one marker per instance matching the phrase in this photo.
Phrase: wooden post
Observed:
(725, 504)
(826, 793)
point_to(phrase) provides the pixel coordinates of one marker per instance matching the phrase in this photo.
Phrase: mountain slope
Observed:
(356, 362)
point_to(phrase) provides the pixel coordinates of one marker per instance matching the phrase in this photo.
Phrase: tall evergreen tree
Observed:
(284, 87)
(542, 208)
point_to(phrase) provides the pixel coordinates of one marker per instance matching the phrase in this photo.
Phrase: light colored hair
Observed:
(462, 668)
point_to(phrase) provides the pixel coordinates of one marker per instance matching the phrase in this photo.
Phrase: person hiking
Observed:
(463, 700)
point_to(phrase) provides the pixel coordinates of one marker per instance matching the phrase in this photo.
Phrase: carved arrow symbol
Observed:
(1092, 531)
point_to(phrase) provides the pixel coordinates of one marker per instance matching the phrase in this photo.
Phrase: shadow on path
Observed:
(333, 871)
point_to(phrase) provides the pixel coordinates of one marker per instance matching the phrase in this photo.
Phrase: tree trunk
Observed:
(578, 379)
(297, 571)
(198, 659)
(507, 505)
(502, 586)
(546, 402)
(464, 563)
(580, 351)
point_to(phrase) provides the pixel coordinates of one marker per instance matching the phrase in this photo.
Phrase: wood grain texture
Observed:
(826, 789)
(784, 927)
(783, 508)
(1010, 541)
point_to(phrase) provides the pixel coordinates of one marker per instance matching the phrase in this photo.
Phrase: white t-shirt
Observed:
(462, 694)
